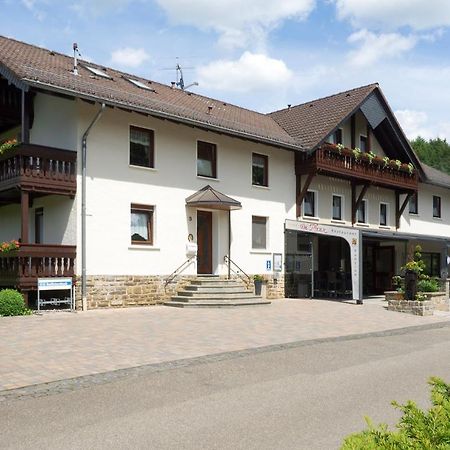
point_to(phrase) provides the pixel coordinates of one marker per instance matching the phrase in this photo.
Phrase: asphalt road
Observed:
(307, 397)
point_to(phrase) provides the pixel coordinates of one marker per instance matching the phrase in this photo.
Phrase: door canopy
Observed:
(208, 197)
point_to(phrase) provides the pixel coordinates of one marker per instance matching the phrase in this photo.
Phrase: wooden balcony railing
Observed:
(342, 163)
(39, 169)
(23, 267)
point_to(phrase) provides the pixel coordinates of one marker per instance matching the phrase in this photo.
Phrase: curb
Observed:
(84, 381)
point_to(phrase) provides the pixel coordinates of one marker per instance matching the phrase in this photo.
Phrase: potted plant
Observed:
(413, 269)
(258, 280)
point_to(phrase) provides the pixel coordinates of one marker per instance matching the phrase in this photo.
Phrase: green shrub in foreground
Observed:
(417, 429)
(12, 303)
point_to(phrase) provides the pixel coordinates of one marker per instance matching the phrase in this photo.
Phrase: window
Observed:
(337, 207)
(309, 204)
(361, 212)
(142, 224)
(140, 84)
(39, 226)
(98, 72)
(432, 264)
(436, 206)
(414, 204)
(383, 214)
(336, 137)
(141, 147)
(260, 171)
(206, 159)
(363, 143)
(259, 232)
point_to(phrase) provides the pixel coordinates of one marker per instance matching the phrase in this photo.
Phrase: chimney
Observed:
(75, 60)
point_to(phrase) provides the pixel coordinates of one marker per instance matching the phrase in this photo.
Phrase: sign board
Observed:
(191, 249)
(55, 284)
(268, 264)
(351, 235)
(277, 262)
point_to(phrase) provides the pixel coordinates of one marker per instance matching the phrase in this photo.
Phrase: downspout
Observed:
(83, 205)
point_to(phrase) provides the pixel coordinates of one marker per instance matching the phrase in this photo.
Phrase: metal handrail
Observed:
(239, 272)
(178, 271)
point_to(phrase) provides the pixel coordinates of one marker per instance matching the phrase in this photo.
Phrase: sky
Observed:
(262, 54)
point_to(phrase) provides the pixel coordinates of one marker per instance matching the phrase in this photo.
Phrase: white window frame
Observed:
(256, 249)
(260, 186)
(204, 177)
(316, 205)
(366, 212)
(440, 207)
(342, 219)
(388, 215)
(135, 125)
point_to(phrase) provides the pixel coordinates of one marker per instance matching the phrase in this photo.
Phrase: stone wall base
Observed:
(435, 301)
(120, 291)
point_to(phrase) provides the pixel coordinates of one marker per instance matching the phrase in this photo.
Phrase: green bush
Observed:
(417, 429)
(12, 303)
(428, 285)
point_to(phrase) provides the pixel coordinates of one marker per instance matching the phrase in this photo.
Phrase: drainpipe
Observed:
(83, 206)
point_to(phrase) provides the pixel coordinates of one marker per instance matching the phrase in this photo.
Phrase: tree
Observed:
(434, 152)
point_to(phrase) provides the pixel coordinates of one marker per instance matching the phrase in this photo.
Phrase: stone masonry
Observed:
(120, 291)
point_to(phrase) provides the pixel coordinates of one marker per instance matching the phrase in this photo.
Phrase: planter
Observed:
(258, 286)
(434, 301)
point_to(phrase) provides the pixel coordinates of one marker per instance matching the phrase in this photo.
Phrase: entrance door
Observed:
(384, 269)
(204, 242)
(298, 268)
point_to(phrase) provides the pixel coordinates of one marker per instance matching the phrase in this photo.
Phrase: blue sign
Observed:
(268, 264)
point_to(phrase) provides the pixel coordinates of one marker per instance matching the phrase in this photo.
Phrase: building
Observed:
(115, 175)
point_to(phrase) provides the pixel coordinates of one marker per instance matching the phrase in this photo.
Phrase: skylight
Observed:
(139, 84)
(98, 72)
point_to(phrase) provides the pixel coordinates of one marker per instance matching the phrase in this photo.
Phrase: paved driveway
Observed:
(61, 345)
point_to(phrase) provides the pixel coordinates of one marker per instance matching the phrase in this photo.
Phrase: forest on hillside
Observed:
(434, 152)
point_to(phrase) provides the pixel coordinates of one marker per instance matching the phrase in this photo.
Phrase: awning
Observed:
(404, 236)
(208, 197)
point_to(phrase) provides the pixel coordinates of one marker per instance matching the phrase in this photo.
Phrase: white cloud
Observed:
(373, 47)
(238, 23)
(393, 14)
(129, 57)
(414, 123)
(251, 72)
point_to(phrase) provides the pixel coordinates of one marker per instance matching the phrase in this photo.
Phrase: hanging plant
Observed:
(370, 156)
(386, 161)
(410, 168)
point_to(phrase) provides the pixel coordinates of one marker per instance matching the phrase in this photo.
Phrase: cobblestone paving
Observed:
(61, 345)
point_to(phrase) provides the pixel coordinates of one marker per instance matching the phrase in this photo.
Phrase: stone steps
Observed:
(218, 304)
(212, 292)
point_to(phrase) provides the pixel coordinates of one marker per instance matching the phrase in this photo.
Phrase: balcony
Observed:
(23, 267)
(342, 163)
(37, 169)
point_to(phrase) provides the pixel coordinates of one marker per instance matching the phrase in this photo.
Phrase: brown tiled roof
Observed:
(38, 67)
(313, 121)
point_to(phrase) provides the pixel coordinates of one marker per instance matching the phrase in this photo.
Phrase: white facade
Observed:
(113, 185)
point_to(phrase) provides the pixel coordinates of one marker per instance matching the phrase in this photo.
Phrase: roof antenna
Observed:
(76, 53)
(180, 79)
